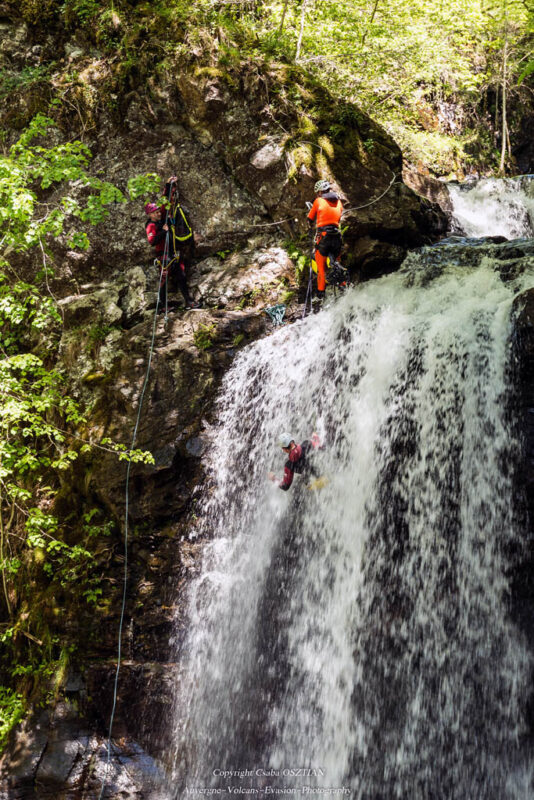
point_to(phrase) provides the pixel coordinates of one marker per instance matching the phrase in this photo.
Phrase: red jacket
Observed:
(155, 233)
(297, 460)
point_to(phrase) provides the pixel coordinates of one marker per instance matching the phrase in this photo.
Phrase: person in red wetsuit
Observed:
(169, 232)
(298, 458)
(326, 213)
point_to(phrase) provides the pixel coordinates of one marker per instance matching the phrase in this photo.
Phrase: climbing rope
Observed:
(126, 511)
(376, 199)
(165, 265)
(308, 293)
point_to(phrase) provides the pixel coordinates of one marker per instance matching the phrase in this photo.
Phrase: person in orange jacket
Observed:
(326, 213)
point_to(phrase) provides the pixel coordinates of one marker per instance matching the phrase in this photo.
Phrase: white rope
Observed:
(380, 196)
(127, 505)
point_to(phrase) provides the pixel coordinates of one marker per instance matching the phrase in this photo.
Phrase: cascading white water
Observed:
(361, 631)
(494, 207)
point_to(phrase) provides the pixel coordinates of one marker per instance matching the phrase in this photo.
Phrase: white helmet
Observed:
(285, 439)
(321, 186)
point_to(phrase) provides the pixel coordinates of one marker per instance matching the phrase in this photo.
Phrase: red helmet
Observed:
(151, 207)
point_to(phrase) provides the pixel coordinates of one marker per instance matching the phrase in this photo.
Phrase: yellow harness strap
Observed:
(175, 209)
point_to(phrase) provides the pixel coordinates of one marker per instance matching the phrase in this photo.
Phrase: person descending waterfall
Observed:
(325, 213)
(168, 230)
(300, 459)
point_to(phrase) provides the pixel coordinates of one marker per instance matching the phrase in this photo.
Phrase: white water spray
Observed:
(494, 207)
(361, 631)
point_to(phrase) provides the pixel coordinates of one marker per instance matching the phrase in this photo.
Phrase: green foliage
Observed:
(93, 528)
(20, 81)
(204, 336)
(124, 454)
(287, 297)
(12, 707)
(299, 258)
(526, 71)
(43, 554)
(80, 11)
(29, 167)
(38, 11)
(96, 334)
(24, 315)
(143, 185)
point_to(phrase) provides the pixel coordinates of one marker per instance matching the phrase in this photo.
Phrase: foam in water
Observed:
(361, 631)
(494, 207)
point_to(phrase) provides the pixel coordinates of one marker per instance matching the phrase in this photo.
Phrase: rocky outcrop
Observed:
(375, 248)
(524, 342)
(426, 185)
(57, 756)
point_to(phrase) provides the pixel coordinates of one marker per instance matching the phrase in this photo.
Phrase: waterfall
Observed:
(494, 207)
(356, 640)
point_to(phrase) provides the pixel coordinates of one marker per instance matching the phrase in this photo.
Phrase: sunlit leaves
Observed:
(29, 170)
(12, 707)
(124, 454)
(387, 57)
(143, 185)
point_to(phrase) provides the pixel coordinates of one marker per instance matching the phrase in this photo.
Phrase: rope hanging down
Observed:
(126, 511)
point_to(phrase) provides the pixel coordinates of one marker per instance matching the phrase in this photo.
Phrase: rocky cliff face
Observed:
(247, 142)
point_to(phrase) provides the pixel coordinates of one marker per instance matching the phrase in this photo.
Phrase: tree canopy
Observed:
(434, 73)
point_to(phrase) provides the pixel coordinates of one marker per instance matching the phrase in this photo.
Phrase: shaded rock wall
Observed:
(523, 344)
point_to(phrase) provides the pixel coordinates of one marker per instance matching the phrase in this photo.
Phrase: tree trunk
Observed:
(373, 14)
(504, 121)
(504, 128)
(284, 11)
(302, 17)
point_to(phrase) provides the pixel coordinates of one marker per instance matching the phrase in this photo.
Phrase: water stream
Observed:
(494, 207)
(361, 632)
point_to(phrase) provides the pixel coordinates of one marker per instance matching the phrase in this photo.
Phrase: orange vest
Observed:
(326, 212)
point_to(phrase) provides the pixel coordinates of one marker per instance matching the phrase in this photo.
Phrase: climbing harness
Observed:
(276, 313)
(338, 274)
(126, 512)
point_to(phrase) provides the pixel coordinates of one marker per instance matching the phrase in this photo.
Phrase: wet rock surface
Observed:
(56, 756)
(427, 186)
(524, 349)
